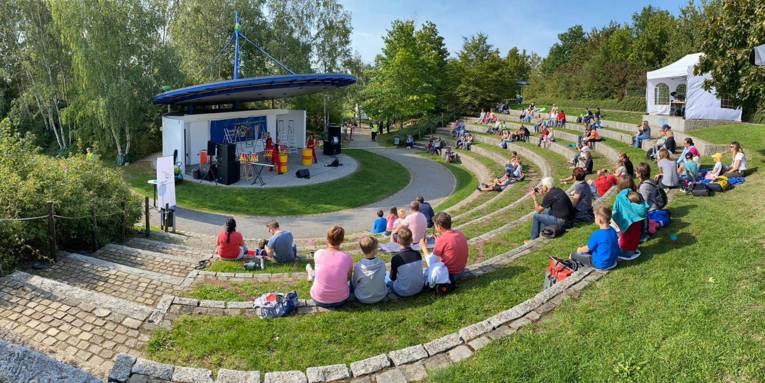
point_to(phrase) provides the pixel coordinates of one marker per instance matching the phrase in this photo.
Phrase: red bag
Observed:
(559, 270)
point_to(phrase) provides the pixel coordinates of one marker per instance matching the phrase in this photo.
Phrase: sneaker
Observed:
(630, 255)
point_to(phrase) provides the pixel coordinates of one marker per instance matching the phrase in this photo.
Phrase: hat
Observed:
(717, 157)
(666, 127)
(586, 149)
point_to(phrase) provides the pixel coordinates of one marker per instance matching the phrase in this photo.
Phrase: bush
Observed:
(628, 103)
(74, 185)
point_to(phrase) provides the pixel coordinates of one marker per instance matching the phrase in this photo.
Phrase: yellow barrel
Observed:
(282, 163)
(307, 157)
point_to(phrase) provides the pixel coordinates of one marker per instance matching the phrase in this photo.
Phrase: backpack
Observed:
(662, 217)
(700, 190)
(661, 195)
(274, 305)
(558, 270)
(650, 154)
(552, 231)
(720, 184)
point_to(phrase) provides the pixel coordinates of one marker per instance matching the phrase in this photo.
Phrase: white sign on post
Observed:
(166, 182)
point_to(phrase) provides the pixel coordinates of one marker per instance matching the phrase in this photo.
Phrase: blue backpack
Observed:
(662, 217)
(274, 305)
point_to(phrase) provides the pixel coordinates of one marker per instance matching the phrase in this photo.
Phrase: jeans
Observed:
(540, 220)
(639, 138)
(582, 258)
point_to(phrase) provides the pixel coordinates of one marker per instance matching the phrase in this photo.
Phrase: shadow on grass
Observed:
(662, 243)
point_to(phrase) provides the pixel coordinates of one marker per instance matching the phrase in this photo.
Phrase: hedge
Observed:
(75, 185)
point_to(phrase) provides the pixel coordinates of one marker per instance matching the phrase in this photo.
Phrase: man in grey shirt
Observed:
(582, 197)
(281, 247)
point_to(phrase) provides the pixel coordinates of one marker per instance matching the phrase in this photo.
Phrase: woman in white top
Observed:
(667, 171)
(738, 167)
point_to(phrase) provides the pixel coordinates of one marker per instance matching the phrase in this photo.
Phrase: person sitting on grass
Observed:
(468, 141)
(629, 215)
(688, 147)
(602, 249)
(593, 135)
(416, 222)
(406, 277)
(369, 273)
(626, 166)
(521, 134)
(688, 170)
(333, 271)
(397, 224)
(668, 175)
(604, 182)
(717, 169)
(426, 210)
(281, 247)
(644, 133)
(555, 209)
(581, 197)
(647, 188)
(230, 243)
(738, 167)
(451, 247)
(379, 226)
(391, 220)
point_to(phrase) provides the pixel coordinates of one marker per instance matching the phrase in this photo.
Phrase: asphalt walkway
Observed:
(428, 178)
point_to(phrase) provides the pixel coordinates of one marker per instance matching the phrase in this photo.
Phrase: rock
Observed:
(408, 355)
(442, 344)
(101, 313)
(232, 376)
(460, 353)
(391, 376)
(370, 365)
(327, 373)
(436, 362)
(153, 369)
(414, 372)
(120, 372)
(285, 377)
(21, 364)
(475, 330)
(212, 304)
(479, 343)
(192, 375)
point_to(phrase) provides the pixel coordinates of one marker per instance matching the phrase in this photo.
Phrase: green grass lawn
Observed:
(612, 115)
(376, 178)
(689, 310)
(243, 291)
(466, 182)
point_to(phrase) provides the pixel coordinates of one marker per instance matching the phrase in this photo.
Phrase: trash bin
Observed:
(396, 140)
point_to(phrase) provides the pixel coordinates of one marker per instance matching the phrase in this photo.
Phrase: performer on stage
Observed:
(269, 141)
(311, 144)
(270, 153)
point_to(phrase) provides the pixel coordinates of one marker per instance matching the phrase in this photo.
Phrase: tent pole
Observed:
(237, 27)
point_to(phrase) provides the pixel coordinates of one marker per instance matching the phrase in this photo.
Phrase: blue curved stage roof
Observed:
(254, 88)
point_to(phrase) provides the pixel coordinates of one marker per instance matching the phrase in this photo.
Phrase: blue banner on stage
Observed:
(238, 130)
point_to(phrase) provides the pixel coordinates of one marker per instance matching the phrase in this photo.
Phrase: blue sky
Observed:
(533, 25)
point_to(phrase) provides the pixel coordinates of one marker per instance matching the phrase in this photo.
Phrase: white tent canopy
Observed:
(678, 77)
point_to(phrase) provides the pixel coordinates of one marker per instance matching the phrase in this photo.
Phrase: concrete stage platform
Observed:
(320, 173)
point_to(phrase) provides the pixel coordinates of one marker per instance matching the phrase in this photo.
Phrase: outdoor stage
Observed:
(319, 173)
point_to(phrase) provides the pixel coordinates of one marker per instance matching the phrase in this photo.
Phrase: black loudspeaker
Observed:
(211, 148)
(228, 172)
(332, 143)
(303, 173)
(226, 153)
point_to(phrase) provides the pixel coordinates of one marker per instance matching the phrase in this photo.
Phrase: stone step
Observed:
(120, 281)
(147, 260)
(177, 249)
(50, 320)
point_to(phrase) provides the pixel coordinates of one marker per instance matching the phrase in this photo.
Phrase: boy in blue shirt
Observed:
(380, 223)
(602, 250)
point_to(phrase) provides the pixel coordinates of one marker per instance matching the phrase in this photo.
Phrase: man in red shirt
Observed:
(604, 182)
(451, 246)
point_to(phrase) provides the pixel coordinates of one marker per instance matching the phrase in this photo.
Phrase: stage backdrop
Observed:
(236, 130)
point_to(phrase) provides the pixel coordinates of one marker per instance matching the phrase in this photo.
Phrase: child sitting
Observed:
(689, 169)
(436, 273)
(369, 274)
(604, 182)
(380, 223)
(602, 250)
(391, 220)
(397, 224)
(406, 277)
(261, 250)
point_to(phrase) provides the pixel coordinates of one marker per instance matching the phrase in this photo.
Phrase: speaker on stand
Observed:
(228, 166)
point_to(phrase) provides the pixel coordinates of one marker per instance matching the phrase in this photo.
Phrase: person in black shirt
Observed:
(555, 209)
(426, 210)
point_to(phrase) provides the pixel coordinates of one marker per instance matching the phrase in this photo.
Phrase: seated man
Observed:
(555, 209)
(416, 222)
(602, 249)
(644, 133)
(451, 246)
(281, 247)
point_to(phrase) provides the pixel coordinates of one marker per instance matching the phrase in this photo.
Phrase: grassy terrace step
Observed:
(466, 182)
(494, 168)
(706, 326)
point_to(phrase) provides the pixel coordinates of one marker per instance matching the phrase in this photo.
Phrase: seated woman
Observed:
(592, 136)
(602, 249)
(230, 243)
(629, 213)
(738, 167)
(333, 272)
(668, 175)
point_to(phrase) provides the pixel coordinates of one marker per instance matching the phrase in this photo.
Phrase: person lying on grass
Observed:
(406, 277)
(230, 243)
(513, 172)
(369, 273)
(333, 272)
(602, 249)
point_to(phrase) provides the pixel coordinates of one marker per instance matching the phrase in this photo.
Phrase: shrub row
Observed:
(628, 103)
(75, 185)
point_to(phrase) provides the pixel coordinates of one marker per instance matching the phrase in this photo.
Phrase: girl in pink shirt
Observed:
(392, 216)
(333, 271)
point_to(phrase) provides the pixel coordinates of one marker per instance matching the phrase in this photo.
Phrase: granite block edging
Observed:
(455, 346)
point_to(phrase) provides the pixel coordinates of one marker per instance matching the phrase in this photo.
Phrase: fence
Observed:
(52, 219)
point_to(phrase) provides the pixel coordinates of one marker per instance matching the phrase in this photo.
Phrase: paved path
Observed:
(428, 178)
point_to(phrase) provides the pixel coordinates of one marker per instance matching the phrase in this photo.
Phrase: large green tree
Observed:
(481, 75)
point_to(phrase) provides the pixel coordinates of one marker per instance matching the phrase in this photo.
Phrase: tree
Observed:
(481, 74)
(729, 34)
(566, 51)
(434, 56)
(400, 86)
(652, 30)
